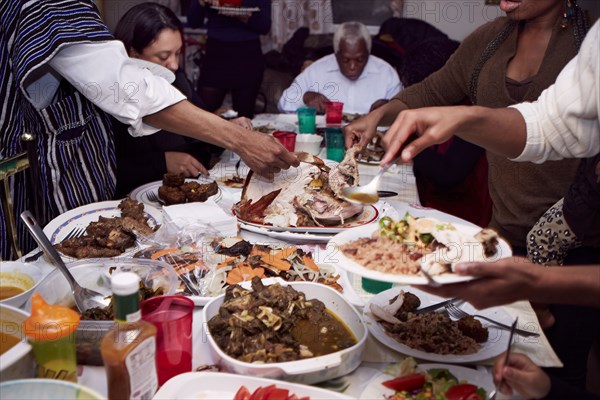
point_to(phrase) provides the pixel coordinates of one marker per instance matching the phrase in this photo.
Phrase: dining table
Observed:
(401, 181)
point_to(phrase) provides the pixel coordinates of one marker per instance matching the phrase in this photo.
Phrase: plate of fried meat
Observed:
(176, 189)
(103, 229)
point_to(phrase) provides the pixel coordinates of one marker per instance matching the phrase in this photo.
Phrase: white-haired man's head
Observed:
(352, 46)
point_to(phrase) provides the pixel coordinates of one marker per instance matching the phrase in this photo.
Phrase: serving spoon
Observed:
(84, 298)
(367, 194)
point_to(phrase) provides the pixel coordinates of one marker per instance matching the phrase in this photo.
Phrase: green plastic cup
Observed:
(374, 286)
(307, 117)
(334, 140)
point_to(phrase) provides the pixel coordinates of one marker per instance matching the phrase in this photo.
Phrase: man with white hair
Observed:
(351, 75)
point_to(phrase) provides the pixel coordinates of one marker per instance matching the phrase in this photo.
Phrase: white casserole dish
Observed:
(308, 371)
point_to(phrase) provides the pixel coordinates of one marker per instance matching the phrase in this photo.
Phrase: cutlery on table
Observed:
(513, 330)
(457, 313)
(435, 306)
(84, 298)
(367, 194)
(153, 197)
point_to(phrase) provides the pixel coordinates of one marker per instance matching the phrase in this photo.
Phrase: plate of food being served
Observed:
(176, 189)
(411, 381)
(305, 199)
(396, 250)
(103, 229)
(392, 318)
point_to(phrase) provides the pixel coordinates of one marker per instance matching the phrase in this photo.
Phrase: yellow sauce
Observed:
(7, 342)
(363, 198)
(14, 283)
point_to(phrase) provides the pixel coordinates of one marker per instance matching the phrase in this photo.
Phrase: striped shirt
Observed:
(74, 138)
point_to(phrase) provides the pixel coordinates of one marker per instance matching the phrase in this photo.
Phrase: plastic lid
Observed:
(49, 322)
(125, 283)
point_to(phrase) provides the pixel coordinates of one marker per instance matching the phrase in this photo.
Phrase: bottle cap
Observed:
(125, 283)
(49, 322)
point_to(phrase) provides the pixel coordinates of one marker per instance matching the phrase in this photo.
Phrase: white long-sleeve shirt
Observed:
(379, 80)
(564, 121)
(113, 82)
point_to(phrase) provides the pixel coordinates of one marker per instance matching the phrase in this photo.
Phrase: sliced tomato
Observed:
(242, 394)
(262, 392)
(278, 394)
(408, 382)
(463, 391)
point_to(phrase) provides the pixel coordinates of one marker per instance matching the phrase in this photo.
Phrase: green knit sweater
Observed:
(521, 192)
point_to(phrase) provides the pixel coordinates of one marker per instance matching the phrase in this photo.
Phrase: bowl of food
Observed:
(16, 357)
(17, 282)
(157, 278)
(47, 389)
(295, 331)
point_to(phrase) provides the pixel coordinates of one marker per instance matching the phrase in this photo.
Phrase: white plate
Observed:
(141, 193)
(375, 390)
(496, 344)
(352, 266)
(368, 215)
(219, 385)
(235, 11)
(292, 237)
(80, 217)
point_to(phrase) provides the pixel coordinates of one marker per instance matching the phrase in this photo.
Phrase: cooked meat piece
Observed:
(85, 247)
(173, 180)
(411, 302)
(240, 248)
(133, 209)
(489, 240)
(197, 192)
(171, 195)
(472, 328)
(134, 225)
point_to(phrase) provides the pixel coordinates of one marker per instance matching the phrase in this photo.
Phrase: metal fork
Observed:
(457, 313)
(75, 233)
(153, 197)
(513, 330)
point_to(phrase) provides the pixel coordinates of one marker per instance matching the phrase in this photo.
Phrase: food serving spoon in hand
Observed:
(367, 194)
(84, 298)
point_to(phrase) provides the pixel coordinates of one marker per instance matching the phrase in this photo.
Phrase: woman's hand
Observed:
(521, 375)
(178, 162)
(243, 122)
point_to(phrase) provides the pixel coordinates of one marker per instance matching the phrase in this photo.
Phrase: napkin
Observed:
(202, 214)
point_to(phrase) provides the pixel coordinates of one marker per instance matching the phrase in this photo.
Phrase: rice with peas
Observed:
(382, 254)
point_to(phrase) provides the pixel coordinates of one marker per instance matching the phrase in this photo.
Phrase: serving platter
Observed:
(368, 215)
(210, 385)
(375, 389)
(143, 192)
(503, 249)
(495, 345)
(80, 217)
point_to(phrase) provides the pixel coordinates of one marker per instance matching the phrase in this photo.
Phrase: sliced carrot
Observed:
(285, 253)
(308, 261)
(257, 252)
(243, 273)
(282, 265)
(226, 263)
(163, 252)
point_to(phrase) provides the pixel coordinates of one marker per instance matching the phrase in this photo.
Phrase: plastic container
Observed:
(51, 332)
(95, 275)
(22, 275)
(287, 139)
(374, 286)
(17, 361)
(172, 317)
(309, 143)
(334, 139)
(46, 389)
(307, 117)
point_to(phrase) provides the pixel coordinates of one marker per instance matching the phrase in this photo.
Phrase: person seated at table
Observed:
(351, 75)
(152, 32)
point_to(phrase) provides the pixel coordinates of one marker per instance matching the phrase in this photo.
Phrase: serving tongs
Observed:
(84, 298)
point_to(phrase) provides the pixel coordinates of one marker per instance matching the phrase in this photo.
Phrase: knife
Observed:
(436, 306)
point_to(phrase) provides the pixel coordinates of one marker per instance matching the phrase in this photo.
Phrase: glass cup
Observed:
(334, 140)
(307, 119)
(333, 112)
(172, 316)
(287, 139)
(374, 286)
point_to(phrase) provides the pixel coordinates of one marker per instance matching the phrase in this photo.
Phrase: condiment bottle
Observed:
(129, 350)
(51, 332)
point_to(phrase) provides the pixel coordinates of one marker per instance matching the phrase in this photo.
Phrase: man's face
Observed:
(352, 58)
